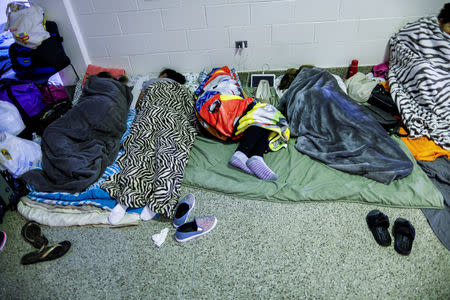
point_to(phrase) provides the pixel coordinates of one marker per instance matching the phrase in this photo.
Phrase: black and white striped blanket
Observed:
(157, 150)
(419, 77)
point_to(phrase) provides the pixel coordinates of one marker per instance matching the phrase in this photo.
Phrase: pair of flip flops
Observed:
(403, 231)
(31, 232)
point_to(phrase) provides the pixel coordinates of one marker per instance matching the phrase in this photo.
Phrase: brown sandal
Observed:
(31, 232)
(55, 251)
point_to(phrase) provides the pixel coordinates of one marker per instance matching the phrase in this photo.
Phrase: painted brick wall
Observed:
(144, 36)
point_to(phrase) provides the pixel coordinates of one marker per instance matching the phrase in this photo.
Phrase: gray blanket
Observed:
(439, 173)
(77, 148)
(334, 129)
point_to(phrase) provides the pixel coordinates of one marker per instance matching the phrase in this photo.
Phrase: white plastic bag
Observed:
(17, 155)
(26, 24)
(263, 91)
(10, 120)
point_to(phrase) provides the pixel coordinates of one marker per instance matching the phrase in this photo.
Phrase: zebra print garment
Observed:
(157, 150)
(419, 77)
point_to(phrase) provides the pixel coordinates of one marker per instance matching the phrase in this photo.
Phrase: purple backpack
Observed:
(26, 96)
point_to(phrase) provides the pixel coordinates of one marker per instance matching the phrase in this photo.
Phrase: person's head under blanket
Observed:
(172, 74)
(444, 18)
(122, 78)
(166, 74)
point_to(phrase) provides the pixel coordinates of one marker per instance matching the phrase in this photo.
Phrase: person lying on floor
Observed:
(79, 146)
(257, 140)
(419, 76)
(157, 150)
(336, 130)
(259, 127)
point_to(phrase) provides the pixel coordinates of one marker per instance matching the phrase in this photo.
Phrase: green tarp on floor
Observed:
(303, 179)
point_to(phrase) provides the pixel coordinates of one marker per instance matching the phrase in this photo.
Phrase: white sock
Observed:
(117, 214)
(147, 214)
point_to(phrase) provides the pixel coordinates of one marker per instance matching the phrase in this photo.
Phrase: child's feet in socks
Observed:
(257, 165)
(117, 214)
(239, 160)
(147, 214)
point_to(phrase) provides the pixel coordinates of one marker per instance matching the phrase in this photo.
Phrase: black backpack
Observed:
(44, 61)
(383, 109)
(11, 190)
(383, 100)
(50, 113)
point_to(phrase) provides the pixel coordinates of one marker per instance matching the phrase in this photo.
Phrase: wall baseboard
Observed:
(340, 71)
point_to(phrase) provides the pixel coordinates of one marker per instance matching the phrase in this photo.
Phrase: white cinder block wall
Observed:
(144, 36)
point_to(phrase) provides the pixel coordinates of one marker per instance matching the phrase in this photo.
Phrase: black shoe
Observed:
(31, 232)
(404, 234)
(379, 223)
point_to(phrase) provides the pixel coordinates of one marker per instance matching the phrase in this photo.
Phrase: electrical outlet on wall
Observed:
(241, 44)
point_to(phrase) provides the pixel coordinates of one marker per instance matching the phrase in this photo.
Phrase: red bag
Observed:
(219, 114)
(53, 93)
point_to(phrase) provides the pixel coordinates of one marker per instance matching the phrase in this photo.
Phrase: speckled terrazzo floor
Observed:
(258, 250)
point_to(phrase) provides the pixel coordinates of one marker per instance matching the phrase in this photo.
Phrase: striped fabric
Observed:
(419, 78)
(257, 165)
(157, 150)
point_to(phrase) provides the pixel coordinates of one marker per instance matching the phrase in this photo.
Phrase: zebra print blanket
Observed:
(157, 150)
(419, 77)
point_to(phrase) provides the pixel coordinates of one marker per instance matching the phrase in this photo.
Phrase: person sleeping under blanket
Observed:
(259, 127)
(334, 129)
(419, 76)
(157, 149)
(77, 148)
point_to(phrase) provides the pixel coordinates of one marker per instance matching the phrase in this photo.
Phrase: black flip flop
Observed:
(31, 232)
(404, 234)
(52, 252)
(379, 223)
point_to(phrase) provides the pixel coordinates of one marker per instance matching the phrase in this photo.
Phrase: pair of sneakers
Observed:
(186, 231)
